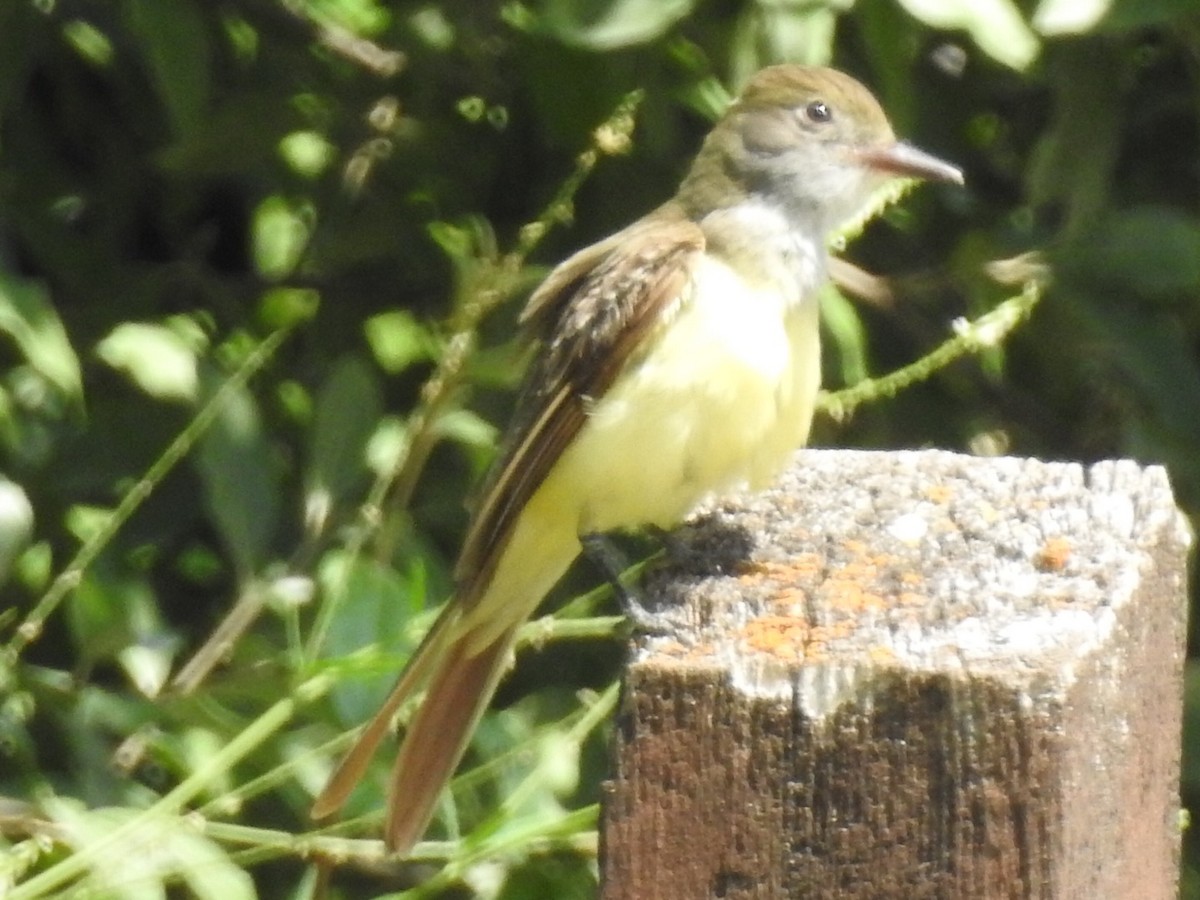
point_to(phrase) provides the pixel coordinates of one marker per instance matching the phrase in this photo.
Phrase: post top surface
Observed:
(861, 561)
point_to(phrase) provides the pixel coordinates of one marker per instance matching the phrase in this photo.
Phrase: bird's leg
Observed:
(604, 555)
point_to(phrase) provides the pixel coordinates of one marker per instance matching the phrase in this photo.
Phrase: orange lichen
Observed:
(911, 598)
(779, 636)
(1053, 555)
(856, 547)
(790, 601)
(754, 573)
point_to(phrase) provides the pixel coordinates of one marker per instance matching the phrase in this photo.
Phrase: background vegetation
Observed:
(259, 267)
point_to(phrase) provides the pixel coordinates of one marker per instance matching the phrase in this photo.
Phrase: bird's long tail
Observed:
(438, 735)
(458, 665)
(354, 764)
(461, 680)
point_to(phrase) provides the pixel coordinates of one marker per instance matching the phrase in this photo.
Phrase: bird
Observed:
(678, 359)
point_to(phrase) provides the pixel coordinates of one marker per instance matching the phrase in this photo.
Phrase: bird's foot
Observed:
(605, 556)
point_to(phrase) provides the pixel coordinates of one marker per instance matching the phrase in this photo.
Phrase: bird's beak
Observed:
(900, 158)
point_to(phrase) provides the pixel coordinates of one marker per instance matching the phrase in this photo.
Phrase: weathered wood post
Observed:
(911, 675)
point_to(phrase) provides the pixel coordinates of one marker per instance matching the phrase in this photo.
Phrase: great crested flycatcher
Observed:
(679, 358)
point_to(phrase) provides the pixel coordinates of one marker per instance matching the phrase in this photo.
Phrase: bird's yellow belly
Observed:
(721, 400)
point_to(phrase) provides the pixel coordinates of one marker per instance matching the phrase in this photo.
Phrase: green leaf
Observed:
(258, 117)
(845, 327)
(175, 44)
(160, 360)
(611, 24)
(364, 17)
(467, 428)
(16, 524)
(281, 232)
(1148, 250)
(240, 482)
(387, 445)
(398, 340)
(307, 153)
(89, 42)
(1058, 17)
(1087, 115)
(28, 317)
(996, 26)
(107, 615)
(281, 307)
(766, 33)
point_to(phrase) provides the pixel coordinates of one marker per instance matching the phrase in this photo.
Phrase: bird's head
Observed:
(812, 142)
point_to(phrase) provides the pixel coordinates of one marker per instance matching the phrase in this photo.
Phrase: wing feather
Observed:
(595, 311)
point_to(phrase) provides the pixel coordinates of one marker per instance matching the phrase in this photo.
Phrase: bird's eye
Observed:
(818, 111)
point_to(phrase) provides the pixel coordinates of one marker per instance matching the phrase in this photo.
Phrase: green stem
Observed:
(989, 330)
(171, 803)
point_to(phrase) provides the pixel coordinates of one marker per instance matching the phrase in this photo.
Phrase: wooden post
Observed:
(910, 675)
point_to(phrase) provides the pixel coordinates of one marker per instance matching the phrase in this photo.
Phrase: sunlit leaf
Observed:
(27, 316)
(387, 444)
(359, 16)
(89, 41)
(397, 340)
(996, 26)
(16, 524)
(147, 665)
(609, 24)
(1055, 17)
(281, 231)
(767, 33)
(157, 358)
(466, 427)
(308, 153)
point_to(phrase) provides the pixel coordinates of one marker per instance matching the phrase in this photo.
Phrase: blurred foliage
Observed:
(259, 268)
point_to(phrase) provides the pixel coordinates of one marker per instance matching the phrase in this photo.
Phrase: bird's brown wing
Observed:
(594, 311)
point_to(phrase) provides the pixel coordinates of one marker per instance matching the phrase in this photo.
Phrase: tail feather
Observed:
(354, 765)
(438, 735)
(458, 666)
